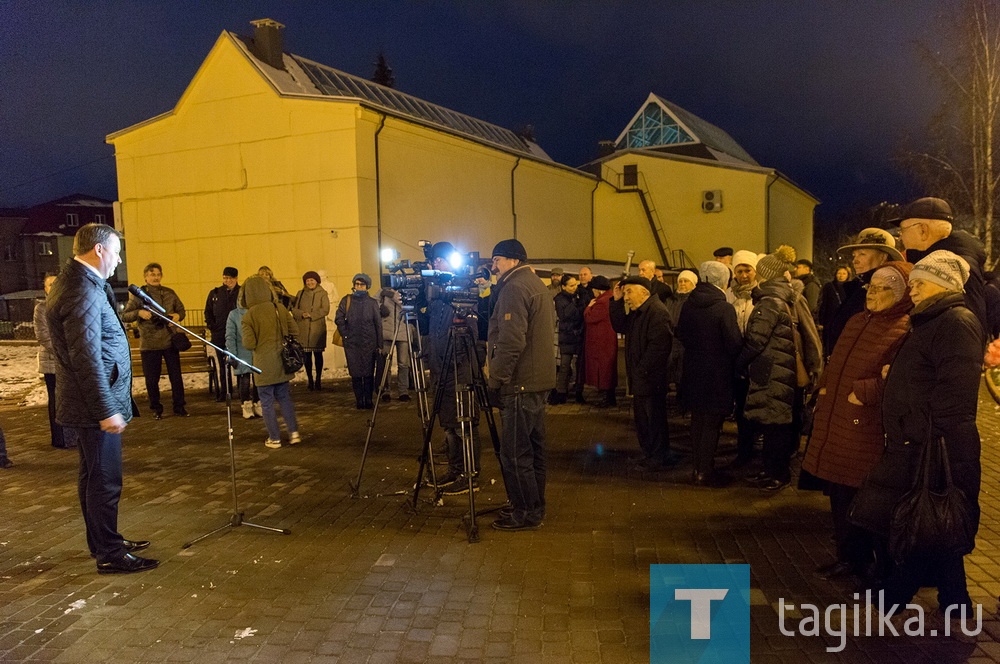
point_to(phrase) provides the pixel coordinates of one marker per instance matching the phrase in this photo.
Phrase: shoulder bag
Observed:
(292, 354)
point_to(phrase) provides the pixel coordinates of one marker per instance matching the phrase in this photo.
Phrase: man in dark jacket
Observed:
(522, 369)
(647, 270)
(569, 311)
(94, 389)
(648, 338)
(925, 227)
(221, 300)
(810, 284)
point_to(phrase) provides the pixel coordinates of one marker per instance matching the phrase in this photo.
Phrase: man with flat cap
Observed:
(724, 255)
(221, 300)
(925, 227)
(648, 339)
(522, 370)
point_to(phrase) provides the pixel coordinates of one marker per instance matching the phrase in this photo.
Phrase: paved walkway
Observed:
(366, 580)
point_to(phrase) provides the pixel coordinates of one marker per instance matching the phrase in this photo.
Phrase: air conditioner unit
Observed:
(711, 201)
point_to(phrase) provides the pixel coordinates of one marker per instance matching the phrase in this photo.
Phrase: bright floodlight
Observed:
(388, 255)
(455, 260)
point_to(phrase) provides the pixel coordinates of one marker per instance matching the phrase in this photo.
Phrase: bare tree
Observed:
(958, 159)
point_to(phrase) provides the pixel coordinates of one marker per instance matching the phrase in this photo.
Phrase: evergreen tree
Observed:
(383, 72)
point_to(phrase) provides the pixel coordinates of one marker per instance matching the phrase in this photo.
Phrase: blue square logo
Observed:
(699, 614)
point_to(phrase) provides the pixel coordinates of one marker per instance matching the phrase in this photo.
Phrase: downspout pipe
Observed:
(378, 193)
(513, 206)
(773, 176)
(593, 219)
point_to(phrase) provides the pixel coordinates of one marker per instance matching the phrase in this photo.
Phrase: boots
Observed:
(359, 400)
(310, 379)
(318, 384)
(258, 410)
(248, 410)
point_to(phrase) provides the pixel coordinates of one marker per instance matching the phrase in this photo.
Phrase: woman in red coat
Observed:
(847, 437)
(601, 343)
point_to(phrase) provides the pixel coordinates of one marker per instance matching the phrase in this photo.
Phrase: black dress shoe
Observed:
(127, 564)
(157, 416)
(508, 523)
(181, 412)
(135, 545)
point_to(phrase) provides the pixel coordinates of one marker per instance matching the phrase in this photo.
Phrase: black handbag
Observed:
(930, 519)
(293, 356)
(180, 341)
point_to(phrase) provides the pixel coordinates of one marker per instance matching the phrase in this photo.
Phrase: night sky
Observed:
(826, 92)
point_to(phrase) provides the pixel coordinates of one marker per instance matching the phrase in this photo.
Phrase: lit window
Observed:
(654, 127)
(44, 248)
(72, 219)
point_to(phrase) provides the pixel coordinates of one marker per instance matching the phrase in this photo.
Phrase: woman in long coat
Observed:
(931, 392)
(847, 436)
(601, 343)
(360, 323)
(312, 306)
(265, 326)
(707, 327)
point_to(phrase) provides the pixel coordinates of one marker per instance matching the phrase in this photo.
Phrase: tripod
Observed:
(236, 519)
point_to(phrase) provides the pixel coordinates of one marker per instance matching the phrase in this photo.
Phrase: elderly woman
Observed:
(847, 436)
(312, 306)
(600, 343)
(279, 288)
(931, 392)
(360, 323)
(712, 340)
(264, 327)
(686, 282)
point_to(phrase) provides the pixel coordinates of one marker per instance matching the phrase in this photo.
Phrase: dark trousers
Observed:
(58, 439)
(151, 365)
(746, 431)
(247, 390)
(705, 429)
(855, 545)
(221, 369)
(100, 488)
(523, 455)
(650, 412)
(780, 442)
(565, 370)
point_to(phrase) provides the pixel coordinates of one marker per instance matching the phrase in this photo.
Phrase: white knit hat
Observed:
(744, 257)
(689, 275)
(948, 270)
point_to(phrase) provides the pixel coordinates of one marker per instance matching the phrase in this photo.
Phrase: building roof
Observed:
(303, 76)
(662, 125)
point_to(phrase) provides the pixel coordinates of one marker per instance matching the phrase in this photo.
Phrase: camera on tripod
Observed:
(418, 283)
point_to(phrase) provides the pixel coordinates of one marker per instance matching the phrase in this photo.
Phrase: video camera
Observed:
(418, 283)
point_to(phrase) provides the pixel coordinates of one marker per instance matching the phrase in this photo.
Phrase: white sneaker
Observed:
(294, 438)
(273, 444)
(247, 410)
(258, 410)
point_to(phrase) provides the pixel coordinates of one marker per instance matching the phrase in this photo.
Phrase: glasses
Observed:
(903, 229)
(877, 289)
(360, 283)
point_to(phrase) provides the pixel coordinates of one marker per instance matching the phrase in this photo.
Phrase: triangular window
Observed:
(653, 127)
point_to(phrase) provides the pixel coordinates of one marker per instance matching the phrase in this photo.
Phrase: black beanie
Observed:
(230, 272)
(442, 250)
(510, 249)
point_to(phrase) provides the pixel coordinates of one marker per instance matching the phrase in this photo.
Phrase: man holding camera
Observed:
(522, 370)
(441, 317)
(156, 340)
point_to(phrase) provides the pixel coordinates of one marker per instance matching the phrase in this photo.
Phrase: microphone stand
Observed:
(236, 519)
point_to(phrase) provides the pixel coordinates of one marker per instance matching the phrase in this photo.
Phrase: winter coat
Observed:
(768, 355)
(812, 346)
(265, 325)
(93, 363)
(991, 295)
(392, 315)
(234, 339)
(971, 249)
(933, 381)
(361, 329)
(569, 312)
(847, 439)
(853, 304)
(712, 340)
(220, 302)
(601, 345)
(675, 366)
(312, 330)
(831, 298)
(440, 318)
(648, 338)
(155, 333)
(519, 348)
(46, 356)
(810, 290)
(743, 307)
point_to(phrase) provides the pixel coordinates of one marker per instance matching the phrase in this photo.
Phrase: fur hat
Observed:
(510, 249)
(873, 238)
(776, 264)
(744, 257)
(948, 270)
(716, 273)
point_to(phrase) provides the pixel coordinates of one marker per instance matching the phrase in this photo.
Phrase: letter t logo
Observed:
(701, 608)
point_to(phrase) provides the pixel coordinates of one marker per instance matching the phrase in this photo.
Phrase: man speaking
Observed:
(94, 389)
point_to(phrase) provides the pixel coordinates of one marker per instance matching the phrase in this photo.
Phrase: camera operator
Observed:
(441, 317)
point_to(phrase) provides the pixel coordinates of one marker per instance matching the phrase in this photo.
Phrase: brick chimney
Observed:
(267, 43)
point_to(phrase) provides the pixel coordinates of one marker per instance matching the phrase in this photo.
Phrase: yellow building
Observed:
(269, 158)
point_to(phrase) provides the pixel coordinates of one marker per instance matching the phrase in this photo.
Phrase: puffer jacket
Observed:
(265, 326)
(312, 330)
(519, 349)
(768, 355)
(234, 339)
(154, 334)
(848, 439)
(569, 312)
(46, 356)
(932, 389)
(93, 364)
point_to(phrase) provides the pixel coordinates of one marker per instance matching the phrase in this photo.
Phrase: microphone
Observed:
(146, 299)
